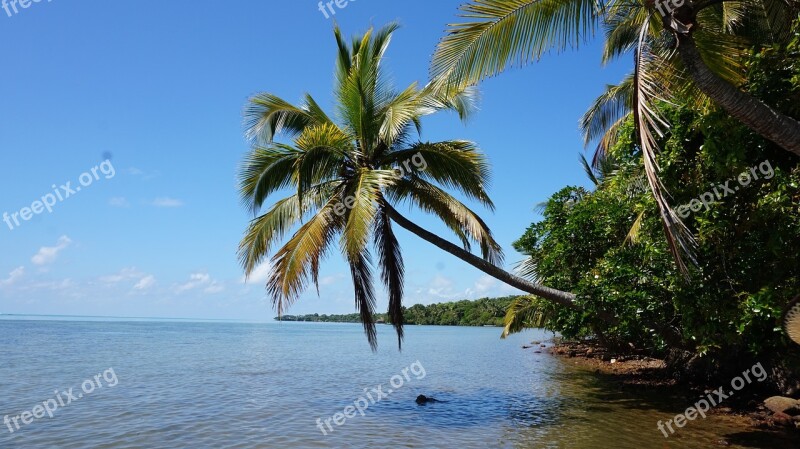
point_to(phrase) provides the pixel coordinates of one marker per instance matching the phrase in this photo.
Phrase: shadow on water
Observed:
(606, 396)
(764, 440)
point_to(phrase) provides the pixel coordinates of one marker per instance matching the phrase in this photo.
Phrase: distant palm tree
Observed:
(347, 177)
(704, 39)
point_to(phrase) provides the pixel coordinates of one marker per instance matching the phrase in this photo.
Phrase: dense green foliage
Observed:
(591, 243)
(481, 312)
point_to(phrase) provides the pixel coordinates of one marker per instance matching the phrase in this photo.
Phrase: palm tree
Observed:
(703, 39)
(348, 175)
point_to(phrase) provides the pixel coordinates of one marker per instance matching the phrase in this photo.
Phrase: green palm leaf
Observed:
(505, 32)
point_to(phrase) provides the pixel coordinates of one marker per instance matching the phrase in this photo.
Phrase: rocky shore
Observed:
(642, 373)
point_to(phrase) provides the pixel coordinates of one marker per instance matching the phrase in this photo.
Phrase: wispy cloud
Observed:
(441, 287)
(167, 202)
(198, 281)
(145, 283)
(49, 254)
(119, 201)
(126, 274)
(215, 287)
(133, 171)
(259, 275)
(141, 281)
(13, 277)
(482, 286)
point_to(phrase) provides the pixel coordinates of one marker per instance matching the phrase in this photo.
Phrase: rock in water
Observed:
(791, 320)
(422, 400)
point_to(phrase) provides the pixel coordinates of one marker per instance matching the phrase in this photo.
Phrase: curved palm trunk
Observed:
(566, 299)
(562, 298)
(756, 115)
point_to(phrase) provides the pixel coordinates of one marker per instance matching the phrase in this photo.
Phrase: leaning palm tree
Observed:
(347, 176)
(688, 47)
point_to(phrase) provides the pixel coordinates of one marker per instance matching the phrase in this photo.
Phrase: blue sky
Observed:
(160, 87)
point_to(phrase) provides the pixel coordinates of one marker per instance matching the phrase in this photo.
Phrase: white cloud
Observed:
(13, 277)
(215, 287)
(441, 287)
(133, 171)
(59, 286)
(126, 274)
(167, 202)
(200, 280)
(482, 286)
(141, 281)
(119, 201)
(48, 254)
(145, 283)
(259, 275)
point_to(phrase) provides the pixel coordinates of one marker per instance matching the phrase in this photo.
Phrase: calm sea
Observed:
(237, 385)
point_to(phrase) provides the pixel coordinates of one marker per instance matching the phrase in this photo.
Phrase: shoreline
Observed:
(640, 374)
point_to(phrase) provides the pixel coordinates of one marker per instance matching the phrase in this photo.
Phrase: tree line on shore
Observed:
(480, 312)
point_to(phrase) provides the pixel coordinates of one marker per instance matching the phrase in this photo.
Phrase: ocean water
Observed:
(236, 385)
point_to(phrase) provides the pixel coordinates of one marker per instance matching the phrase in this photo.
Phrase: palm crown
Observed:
(345, 174)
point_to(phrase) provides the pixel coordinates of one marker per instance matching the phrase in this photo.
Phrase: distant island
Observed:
(480, 312)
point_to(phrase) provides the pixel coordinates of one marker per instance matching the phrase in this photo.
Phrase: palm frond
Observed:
(503, 32)
(436, 96)
(634, 233)
(614, 104)
(525, 312)
(455, 164)
(264, 231)
(622, 23)
(398, 113)
(264, 171)
(527, 269)
(361, 273)
(459, 218)
(679, 239)
(363, 194)
(297, 261)
(267, 115)
(723, 53)
(589, 170)
(390, 260)
(325, 149)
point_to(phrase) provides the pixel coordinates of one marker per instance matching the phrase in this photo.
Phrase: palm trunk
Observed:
(561, 298)
(756, 115)
(566, 299)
